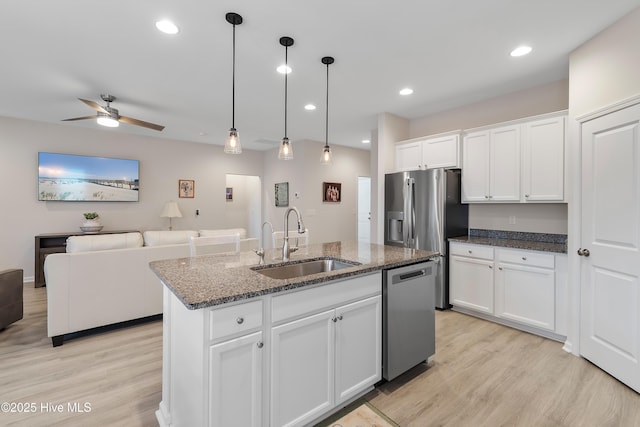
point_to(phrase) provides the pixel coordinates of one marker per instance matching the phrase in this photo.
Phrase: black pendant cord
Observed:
(233, 84)
(286, 71)
(326, 130)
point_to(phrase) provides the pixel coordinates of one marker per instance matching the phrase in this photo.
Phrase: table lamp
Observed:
(170, 210)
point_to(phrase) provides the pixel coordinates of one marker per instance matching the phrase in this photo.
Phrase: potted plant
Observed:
(91, 222)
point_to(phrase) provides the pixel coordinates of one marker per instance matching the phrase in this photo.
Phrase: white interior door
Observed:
(610, 239)
(364, 209)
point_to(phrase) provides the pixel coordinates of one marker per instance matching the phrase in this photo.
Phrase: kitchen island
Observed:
(243, 348)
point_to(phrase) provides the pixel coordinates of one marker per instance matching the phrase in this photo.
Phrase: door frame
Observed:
(574, 185)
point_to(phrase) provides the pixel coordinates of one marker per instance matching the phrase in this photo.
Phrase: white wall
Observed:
(326, 221)
(162, 163)
(245, 209)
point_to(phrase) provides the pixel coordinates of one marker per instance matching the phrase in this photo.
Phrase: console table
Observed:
(51, 243)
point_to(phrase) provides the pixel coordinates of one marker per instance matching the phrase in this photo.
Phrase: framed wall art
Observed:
(186, 188)
(229, 194)
(331, 192)
(282, 194)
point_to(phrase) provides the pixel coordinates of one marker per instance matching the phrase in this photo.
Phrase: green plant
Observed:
(91, 215)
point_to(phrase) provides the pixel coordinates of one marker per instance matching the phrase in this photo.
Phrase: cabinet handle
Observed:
(260, 344)
(500, 268)
(584, 252)
(491, 266)
(470, 251)
(240, 320)
(334, 319)
(526, 195)
(486, 197)
(340, 317)
(524, 258)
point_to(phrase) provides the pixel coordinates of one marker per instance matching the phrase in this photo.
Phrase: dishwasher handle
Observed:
(400, 278)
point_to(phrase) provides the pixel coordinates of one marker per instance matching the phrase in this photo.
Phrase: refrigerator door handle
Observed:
(409, 213)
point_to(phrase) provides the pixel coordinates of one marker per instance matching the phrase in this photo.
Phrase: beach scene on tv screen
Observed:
(70, 177)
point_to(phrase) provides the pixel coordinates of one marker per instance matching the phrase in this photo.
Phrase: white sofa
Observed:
(105, 279)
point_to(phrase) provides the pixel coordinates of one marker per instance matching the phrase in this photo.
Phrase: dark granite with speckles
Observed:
(210, 280)
(516, 239)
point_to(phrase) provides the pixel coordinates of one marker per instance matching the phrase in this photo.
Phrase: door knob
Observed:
(584, 252)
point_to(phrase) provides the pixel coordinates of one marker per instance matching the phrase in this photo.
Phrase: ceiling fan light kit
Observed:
(232, 143)
(326, 151)
(286, 150)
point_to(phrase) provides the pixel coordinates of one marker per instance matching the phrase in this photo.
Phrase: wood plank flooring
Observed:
(483, 374)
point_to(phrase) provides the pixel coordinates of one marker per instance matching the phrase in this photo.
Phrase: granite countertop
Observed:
(518, 240)
(210, 280)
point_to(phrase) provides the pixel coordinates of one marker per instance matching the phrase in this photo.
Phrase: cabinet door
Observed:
(543, 160)
(302, 369)
(441, 152)
(408, 156)
(526, 295)
(235, 382)
(471, 283)
(358, 347)
(475, 167)
(504, 181)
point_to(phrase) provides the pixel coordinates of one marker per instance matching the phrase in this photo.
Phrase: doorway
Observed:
(244, 203)
(364, 209)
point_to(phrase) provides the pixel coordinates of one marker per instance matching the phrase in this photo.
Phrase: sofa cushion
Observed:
(223, 232)
(101, 242)
(166, 237)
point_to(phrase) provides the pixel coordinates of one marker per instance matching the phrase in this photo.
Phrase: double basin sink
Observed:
(304, 268)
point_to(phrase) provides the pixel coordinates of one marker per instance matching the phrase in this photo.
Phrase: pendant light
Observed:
(232, 144)
(286, 150)
(326, 151)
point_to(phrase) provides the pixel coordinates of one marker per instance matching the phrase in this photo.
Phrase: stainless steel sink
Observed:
(304, 268)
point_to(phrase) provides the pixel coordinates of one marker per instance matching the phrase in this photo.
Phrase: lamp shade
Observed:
(171, 210)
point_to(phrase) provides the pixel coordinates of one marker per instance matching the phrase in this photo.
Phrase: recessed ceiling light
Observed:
(365, 141)
(167, 27)
(406, 91)
(521, 50)
(284, 69)
(309, 107)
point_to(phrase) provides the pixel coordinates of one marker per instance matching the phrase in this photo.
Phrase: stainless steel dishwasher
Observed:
(408, 319)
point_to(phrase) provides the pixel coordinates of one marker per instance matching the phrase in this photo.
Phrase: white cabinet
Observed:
(471, 277)
(543, 160)
(491, 165)
(520, 162)
(442, 151)
(235, 385)
(329, 353)
(525, 288)
(520, 288)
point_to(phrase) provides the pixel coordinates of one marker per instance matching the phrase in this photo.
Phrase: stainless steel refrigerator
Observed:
(422, 210)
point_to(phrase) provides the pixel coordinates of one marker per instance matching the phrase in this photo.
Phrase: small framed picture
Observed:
(186, 188)
(229, 194)
(331, 192)
(282, 194)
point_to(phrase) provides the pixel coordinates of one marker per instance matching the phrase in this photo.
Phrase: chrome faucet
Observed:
(260, 252)
(286, 249)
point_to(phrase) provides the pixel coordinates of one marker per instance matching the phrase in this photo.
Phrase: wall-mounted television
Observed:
(69, 177)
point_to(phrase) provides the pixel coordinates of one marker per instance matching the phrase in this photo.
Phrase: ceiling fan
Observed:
(108, 116)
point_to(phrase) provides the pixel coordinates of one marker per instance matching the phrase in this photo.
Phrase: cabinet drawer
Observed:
(536, 259)
(474, 251)
(308, 301)
(234, 319)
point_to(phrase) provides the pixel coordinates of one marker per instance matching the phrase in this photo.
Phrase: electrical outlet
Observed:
(512, 219)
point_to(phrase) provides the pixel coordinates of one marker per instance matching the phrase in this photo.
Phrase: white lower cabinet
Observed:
(235, 385)
(518, 287)
(323, 360)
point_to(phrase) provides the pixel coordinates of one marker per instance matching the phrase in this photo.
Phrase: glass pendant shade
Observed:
(326, 155)
(286, 150)
(232, 144)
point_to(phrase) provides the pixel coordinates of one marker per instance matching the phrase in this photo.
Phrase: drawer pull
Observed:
(470, 251)
(240, 320)
(260, 344)
(340, 317)
(524, 258)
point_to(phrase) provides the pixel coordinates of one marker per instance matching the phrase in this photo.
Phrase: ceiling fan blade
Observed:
(94, 105)
(80, 118)
(141, 123)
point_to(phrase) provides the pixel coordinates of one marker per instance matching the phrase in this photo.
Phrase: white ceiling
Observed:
(450, 52)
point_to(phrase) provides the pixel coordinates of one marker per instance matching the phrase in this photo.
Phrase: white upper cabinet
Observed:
(441, 151)
(520, 162)
(543, 160)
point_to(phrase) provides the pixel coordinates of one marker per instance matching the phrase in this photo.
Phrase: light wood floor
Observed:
(483, 374)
